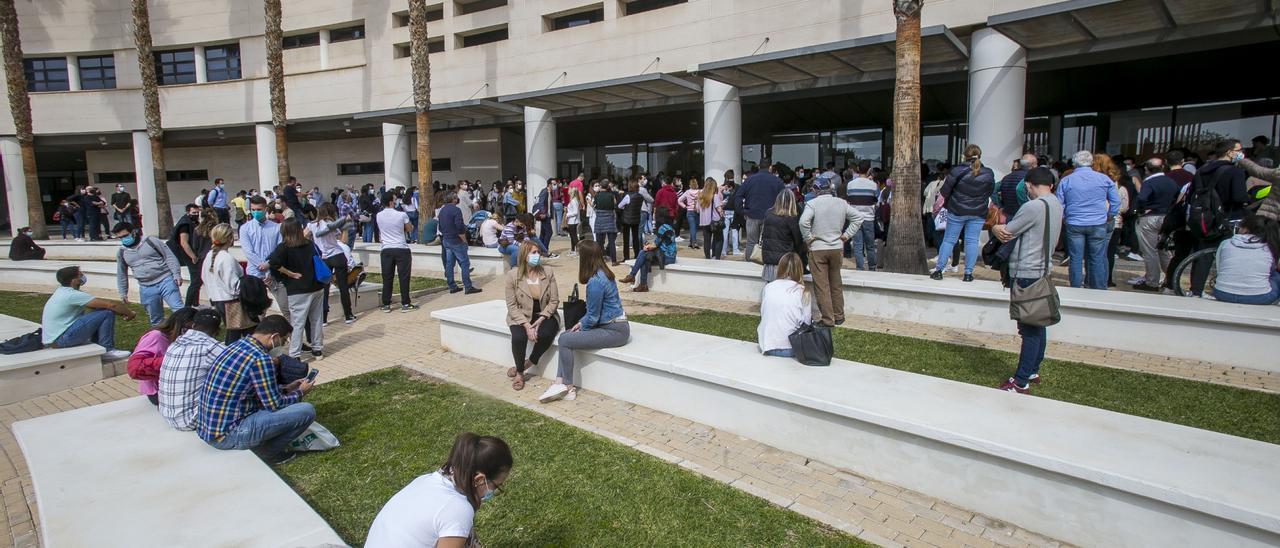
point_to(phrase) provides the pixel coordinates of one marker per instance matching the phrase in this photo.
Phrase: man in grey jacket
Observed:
(826, 224)
(1029, 262)
(156, 269)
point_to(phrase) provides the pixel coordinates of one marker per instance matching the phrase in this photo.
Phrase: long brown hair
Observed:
(291, 233)
(1102, 163)
(973, 155)
(208, 220)
(591, 260)
(471, 455)
(326, 212)
(708, 194)
(522, 259)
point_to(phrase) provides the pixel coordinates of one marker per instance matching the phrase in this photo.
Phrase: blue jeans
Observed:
(413, 220)
(268, 433)
(730, 234)
(646, 222)
(1265, 298)
(780, 353)
(1034, 340)
(455, 253)
(98, 326)
(368, 232)
(557, 215)
(1087, 250)
(511, 251)
(68, 226)
(971, 225)
(154, 297)
(865, 239)
(692, 217)
(640, 270)
(351, 237)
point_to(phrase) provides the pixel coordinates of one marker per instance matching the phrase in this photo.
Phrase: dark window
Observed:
(437, 164)
(362, 168)
(176, 67)
(403, 49)
(222, 62)
(346, 33)
(97, 72)
(496, 35)
(562, 22)
(117, 177)
(187, 175)
(46, 74)
(463, 8)
(301, 40)
(401, 18)
(640, 6)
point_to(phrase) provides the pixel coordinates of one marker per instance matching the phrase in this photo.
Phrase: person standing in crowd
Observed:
(24, 248)
(1155, 201)
(147, 357)
(347, 209)
(368, 207)
(688, 203)
(241, 404)
(662, 249)
(185, 367)
(72, 317)
(199, 242)
(1246, 263)
(1104, 164)
(532, 300)
(221, 275)
(325, 230)
(632, 207)
(1011, 192)
(292, 260)
(781, 235)
(1229, 181)
(219, 201)
(1090, 200)
(409, 205)
(239, 209)
(966, 194)
(258, 239)
(863, 194)
(438, 509)
(66, 217)
(646, 209)
(453, 238)
(397, 260)
(542, 214)
(604, 325)
(102, 207)
(291, 199)
(1030, 261)
(667, 198)
(120, 205)
(784, 306)
(154, 266)
(572, 218)
(605, 226)
(826, 224)
(755, 198)
(731, 241)
(710, 205)
(557, 194)
(468, 201)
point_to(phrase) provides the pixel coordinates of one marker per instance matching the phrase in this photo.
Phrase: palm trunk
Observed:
(904, 252)
(421, 102)
(275, 71)
(151, 112)
(20, 107)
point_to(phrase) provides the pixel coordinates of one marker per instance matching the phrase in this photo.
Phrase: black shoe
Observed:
(283, 458)
(385, 308)
(472, 290)
(317, 353)
(454, 289)
(408, 307)
(1145, 287)
(349, 320)
(840, 321)
(937, 275)
(306, 347)
(967, 278)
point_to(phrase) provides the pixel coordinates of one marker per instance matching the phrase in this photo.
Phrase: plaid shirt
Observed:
(182, 375)
(241, 382)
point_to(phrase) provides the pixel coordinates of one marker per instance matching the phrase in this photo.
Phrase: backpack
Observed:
(23, 343)
(1206, 218)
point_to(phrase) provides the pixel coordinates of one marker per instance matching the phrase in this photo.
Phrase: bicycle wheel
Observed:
(1182, 274)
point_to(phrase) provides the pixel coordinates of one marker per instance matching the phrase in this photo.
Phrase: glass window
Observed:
(795, 149)
(97, 71)
(1079, 132)
(632, 7)
(175, 67)
(578, 19)
(665, 157)
(222, 62)
(364, 168)
(1200, 126)
(472, 6)
(935, 143)
(496, 35)
(346, 33)
(751, 156)
(301, 40)
(1134, 132)
(853, 146)
(1035, 135)
(187, 175)
(111, 178)
(618, 160)
(46, 74)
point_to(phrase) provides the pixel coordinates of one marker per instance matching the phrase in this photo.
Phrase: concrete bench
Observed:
(1232, 334)
(116, 474)
(1079, 474)
(30, 374)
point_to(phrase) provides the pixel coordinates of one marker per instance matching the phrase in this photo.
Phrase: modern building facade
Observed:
(547, 88)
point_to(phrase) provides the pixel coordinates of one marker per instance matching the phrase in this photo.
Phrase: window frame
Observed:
(30, 70)
(298, 40)
(594, 14)
(232, 69)
(646, 6)
(103, 79)
(179, 77)
(361, 168)
(506, 31)
(357, 33)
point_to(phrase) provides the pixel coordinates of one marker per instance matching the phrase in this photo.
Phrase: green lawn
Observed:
(568, 487)
(30, 306)
(416, 283)
(1234, 411)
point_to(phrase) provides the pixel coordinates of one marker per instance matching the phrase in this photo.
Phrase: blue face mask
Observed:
(83, 280)
(488, 496)
(533, 260)
(128, 241)
(258, 215)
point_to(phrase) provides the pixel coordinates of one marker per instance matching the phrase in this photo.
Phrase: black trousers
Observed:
(194, 283)
(713, 242)
(630, 240)
(395, 263)
(573, 237)
(611, 248)
(520, 341)
(338, 264)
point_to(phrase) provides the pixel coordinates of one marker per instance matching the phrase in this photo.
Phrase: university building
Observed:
(547, 88)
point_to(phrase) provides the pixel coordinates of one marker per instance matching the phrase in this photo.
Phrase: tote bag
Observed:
(1038, 303)
(323, 274)
(811, 345)
(574, 309)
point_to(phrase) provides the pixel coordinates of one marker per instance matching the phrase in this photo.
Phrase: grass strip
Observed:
(416, 283)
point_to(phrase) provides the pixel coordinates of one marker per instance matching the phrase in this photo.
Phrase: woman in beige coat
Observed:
(532, 300)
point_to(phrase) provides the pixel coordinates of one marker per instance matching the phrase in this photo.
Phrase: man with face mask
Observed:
(72, 317)
(155, 267)
(23, 248)
(243, 407)
(258, 238)
(218, 200)
(120, 202)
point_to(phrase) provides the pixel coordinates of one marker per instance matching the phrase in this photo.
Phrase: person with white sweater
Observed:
(221, 274)
(826, 224)
(784, 306)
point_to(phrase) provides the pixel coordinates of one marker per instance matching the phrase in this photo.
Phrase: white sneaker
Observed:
(116, 355)
(1138, 280)
(679, 239)
(1134, 256)
(954, 268)
(572, 395)
(573, 254)
(553, 393)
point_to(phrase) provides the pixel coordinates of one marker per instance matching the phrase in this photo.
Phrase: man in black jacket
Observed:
(23, 248)
(1159, 191)
(1229, 181)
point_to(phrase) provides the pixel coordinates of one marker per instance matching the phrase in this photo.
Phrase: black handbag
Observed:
(811, 345)
(574, 309)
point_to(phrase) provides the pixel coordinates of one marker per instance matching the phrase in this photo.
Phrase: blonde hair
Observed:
(222, 237)
(708, 194)
(973, 154)
(784, 205)
(522, 261)
(792, 268)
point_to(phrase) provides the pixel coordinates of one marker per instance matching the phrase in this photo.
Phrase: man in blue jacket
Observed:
(755, 199)
(453, 240)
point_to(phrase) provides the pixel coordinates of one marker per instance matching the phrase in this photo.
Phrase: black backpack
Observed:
(1206, 218)
(23, 343)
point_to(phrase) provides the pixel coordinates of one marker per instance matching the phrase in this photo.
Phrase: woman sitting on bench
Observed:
(604, 325)
(784, 306)
(532, 300)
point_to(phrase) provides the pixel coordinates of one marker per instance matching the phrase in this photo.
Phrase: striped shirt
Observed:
(182, 375)
(863, 194)
(241, 382)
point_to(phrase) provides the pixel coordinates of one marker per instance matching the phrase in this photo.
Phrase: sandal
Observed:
(511, 372)
(517, 383)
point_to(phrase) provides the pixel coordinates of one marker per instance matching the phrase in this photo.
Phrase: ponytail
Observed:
(471, 455)
(976, 166)
(973, 154)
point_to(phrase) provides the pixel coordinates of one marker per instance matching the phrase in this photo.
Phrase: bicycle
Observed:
(1182, 274)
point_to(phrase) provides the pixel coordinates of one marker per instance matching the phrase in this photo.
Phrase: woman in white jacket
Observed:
(784, 306)
(221, 273)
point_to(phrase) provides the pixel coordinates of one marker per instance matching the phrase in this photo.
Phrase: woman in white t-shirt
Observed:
(437, 509)
(491, 230)
(220, 273)
(784, 306)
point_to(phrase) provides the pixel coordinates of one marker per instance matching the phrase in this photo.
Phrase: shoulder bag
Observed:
(1038, 303)
(811, 345)
(322, 272)
(574, 309)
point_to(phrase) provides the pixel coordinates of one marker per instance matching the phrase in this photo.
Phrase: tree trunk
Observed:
(20, 108)
(151, 112)
(275, 72)
(904, 252)
(421, 103)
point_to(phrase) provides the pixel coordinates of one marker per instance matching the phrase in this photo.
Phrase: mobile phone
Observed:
(311, 377)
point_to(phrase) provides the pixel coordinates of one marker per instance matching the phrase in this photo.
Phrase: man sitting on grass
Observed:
(241, 405)
(185, 367)
(65, 322)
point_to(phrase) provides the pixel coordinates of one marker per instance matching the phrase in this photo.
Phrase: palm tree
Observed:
(151, 113)
(421, 100)
(275, 71)
(904, 252)
(20, 106)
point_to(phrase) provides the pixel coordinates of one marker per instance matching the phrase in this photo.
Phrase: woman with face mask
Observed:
(532, 299)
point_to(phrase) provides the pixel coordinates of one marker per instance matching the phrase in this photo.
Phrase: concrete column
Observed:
(202, 70)
(539, 151)
(396, 155)
(997, 98)
(146, 174)
(15, 182)
(324, 49)
(721, 130)
(268, 166)
(73, 72)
